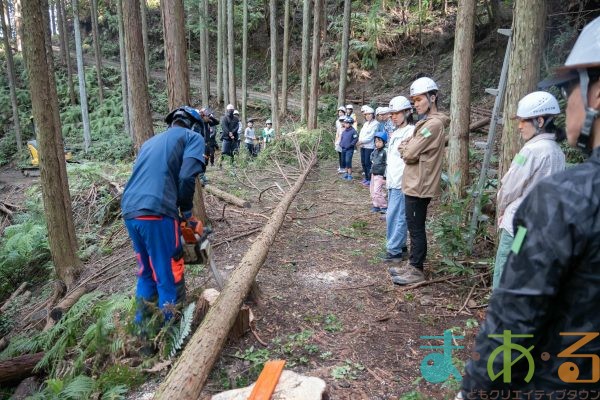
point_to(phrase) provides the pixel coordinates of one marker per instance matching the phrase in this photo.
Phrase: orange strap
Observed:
(267, 380)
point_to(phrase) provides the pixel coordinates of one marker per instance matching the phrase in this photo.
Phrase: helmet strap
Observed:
(583, 141)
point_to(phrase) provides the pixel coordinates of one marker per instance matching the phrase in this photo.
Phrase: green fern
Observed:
(177, 335)
(81, 387)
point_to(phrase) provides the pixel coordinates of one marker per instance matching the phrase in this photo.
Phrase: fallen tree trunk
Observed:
(479, 124)
(69, 300)
(13, 296)
(188, 376)
(227, 197)
(18, 368)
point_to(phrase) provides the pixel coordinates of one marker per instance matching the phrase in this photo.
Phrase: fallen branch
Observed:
(467, 300)
(188, 376)
(13, 296)
(229, 198)
(264, 190)
(241, 235)
(69, 300)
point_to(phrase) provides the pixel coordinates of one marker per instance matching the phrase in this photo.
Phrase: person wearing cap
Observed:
(547, 298)
(156, 199)
(540, 156)
(209, 134)
(229, 136)
(350, 113)
(268, 133)
(347, 143)
(423, 154)
(339, 128)
(396, 231)
(382, 114)
(366, 142)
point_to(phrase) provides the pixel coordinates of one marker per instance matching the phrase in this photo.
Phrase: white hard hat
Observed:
(537, 104)
(341, 108)
(586, 51)
(399, 103)
(350, 106)
(236, 112)
(268, 122)
(230, 107)
(367, 110)
(422, 85)
(382, 110)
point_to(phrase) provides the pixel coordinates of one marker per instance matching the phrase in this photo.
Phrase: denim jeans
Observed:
(365, 160)
(501, 256)
(347, 157)
(396, 222)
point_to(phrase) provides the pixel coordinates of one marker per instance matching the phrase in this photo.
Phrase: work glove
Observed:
(192, 222)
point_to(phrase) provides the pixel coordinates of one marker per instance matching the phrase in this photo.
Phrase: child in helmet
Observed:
(540, 156)
(347, 143)
(378, 165)
(268, 133)
(250, 138)
(366, 143)
(339, 128)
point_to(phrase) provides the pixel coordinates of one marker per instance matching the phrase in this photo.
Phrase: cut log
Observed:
(290, 386)
(188, 376)
(69, 300)
(479, 124)
(243, 320)
(227, 197)
(13, 296)
(18, 368)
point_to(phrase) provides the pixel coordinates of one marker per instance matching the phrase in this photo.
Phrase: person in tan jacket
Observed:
(423, 154)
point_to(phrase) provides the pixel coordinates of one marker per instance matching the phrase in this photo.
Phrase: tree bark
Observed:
(304, 62)
(204, 75)
(285, 61)
(226, 98)
(313, 107)
(527, 43)
(18, 368)
(176, 62)
(96, 37)
(124, 83)
(62, 35)
(227, 197)
(220, 52)
(188, 376)
(144, 14)
(19, 25)
(460, 107)
(345, 47)
(10, 67)
(244, 59)
(52, 25)
(230, 54)
(87, 138)
(70, 84)
(53, 172)
(139, 105)
(274, 100)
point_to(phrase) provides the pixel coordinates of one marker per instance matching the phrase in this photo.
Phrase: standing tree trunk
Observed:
(52, 26)
(220, 52)
(85, 118)
(460, 107)
(304, 72)
(527, 43)
(244, 59)
(72, 96)
(96, 37)
(285, 62)
(139, 105)
(204, 76)
(10, 66)
(144, 14)
(124, 84)
(420, 23)
(230, 53)
(345, 45)
(226, 98)
(53, 171)
(62, 35)
(178, 80)
(274, 101)
(313, 107)
(19, 25)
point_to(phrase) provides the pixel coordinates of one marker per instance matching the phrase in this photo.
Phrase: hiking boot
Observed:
(375, 209)
(413, 275)
(388, 257)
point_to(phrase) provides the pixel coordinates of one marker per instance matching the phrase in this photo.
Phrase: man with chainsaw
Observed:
(157, 199)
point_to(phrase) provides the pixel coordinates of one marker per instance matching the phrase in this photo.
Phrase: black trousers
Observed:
(340, 159)
(416, 214)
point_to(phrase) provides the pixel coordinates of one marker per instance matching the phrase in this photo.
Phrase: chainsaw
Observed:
(197, 249)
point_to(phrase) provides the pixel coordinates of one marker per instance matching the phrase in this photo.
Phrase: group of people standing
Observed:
(402, 159)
